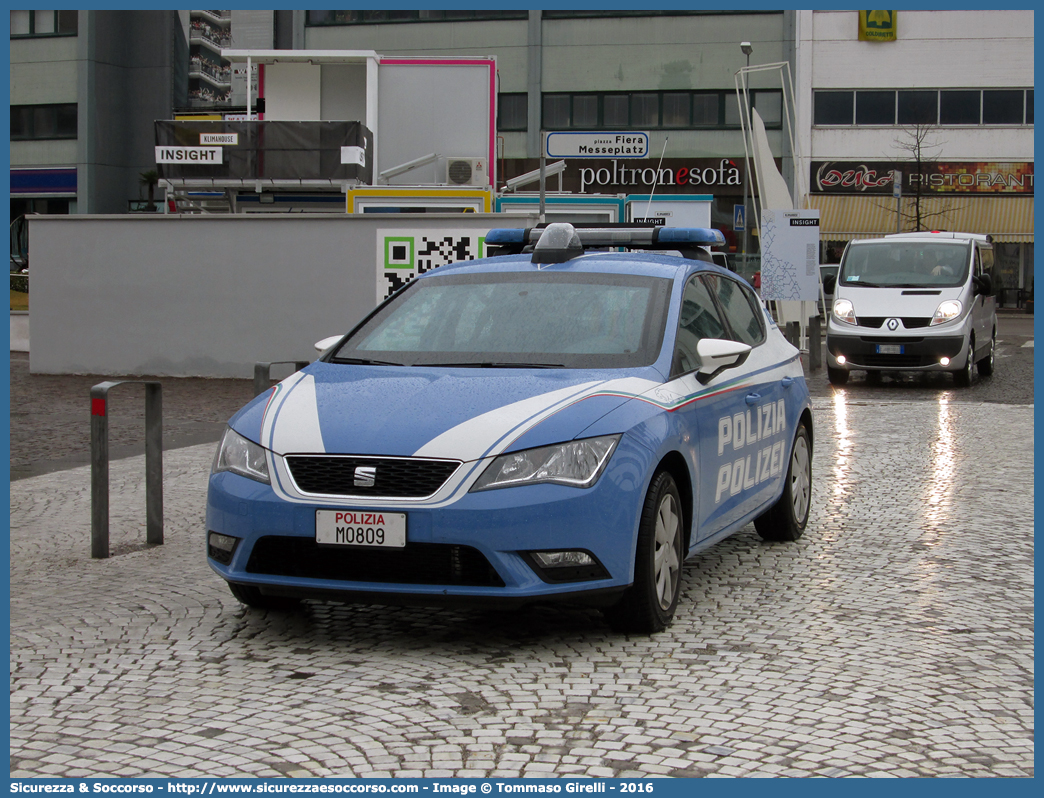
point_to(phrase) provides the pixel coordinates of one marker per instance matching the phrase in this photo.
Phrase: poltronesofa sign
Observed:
(614, 176)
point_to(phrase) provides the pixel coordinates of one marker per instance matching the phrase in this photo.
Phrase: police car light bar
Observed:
(561, 235)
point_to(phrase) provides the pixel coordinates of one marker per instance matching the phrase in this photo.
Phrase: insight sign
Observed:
(628, 144)
(189, 155)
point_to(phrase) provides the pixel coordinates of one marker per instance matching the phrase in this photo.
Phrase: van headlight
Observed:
(947, 311)
(844, 311)
(576, 463)
(240, 456)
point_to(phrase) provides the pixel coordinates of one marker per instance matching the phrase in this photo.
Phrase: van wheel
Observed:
(985, 366)
(837, 376)
(786, 519)
(252, 597)
(963, 378)
(648, 605)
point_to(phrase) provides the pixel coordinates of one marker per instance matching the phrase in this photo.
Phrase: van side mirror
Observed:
(984, 283)
(829, 281)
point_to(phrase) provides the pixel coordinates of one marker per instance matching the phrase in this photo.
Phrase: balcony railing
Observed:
(294, 151)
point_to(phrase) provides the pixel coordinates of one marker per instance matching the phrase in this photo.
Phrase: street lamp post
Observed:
(746, 49)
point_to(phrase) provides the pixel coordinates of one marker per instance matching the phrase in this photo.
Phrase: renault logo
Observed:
(893, 324)
(365, 476)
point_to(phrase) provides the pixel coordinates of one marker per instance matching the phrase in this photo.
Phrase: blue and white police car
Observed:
(566, 422)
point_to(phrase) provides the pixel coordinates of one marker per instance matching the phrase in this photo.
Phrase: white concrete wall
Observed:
(205, 295)
(935, 49)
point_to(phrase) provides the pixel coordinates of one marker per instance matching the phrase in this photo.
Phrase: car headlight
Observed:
(844, 311)
(240, 456)
(947, 311)
(576, 463)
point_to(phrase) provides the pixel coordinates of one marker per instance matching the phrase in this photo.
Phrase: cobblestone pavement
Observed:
(895, 638)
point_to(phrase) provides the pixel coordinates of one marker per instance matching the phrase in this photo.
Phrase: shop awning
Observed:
(1007, 219)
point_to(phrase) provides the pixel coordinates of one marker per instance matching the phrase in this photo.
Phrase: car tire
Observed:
(963, 378)
(648, 605)
(787, 518)
(253, 597)
(837, 376)
(985, 366)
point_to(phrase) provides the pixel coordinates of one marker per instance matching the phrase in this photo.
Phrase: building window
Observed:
(834, 107)
(1002, 107)
(324, 18)
(585, 110)
(960, 107)
(32, 122)
(677, 109)
(513, 111)
(25, 24)
(924, 107)
(654, 109)
(616, 110)
(918, 107)
(706, 109)
(875, 107)
(770, 108)
(556, 111)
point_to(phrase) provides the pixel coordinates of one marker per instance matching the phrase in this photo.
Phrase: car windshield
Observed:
(543, 319)
(906, 264)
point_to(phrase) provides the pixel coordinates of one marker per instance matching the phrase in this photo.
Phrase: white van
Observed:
(914, 302)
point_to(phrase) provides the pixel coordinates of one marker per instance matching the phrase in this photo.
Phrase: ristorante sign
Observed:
(942, 177)
(716, 176)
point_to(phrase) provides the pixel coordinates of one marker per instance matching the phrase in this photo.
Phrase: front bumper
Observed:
(473, 550)
(918, 350)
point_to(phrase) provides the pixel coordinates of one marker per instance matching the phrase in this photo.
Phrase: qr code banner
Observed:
(404, 254)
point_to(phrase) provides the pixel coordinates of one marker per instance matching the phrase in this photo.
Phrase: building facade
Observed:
(944, 99)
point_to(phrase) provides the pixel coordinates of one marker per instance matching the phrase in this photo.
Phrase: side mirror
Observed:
(984, 283)
(326, 343)
(716, 355)
(829, 282)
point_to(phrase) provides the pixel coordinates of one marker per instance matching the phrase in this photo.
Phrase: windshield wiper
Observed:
(493, 365)
(361, 361)
(862, 283)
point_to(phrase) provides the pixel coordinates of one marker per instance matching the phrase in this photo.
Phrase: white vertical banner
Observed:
(790, 255)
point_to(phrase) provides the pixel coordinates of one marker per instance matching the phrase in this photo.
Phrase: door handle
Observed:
(787, 381)
(753, 398)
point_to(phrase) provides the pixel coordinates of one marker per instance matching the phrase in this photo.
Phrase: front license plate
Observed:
(360, 528)
(889, 349)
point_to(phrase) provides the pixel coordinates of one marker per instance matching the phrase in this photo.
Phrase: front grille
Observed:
(910, 323)
(415, 564)
(889, 340)
(394, 477)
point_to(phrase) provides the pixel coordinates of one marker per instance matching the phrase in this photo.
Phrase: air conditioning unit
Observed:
(467, 172)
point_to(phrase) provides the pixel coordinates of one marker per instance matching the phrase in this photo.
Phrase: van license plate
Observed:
(889, 349)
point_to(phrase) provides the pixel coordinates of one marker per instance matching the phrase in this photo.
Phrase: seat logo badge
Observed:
(893, 324)
(365, 476)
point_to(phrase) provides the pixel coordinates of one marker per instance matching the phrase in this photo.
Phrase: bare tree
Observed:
(919, 148)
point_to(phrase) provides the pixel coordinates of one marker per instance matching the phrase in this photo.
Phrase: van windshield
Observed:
(905, 264)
